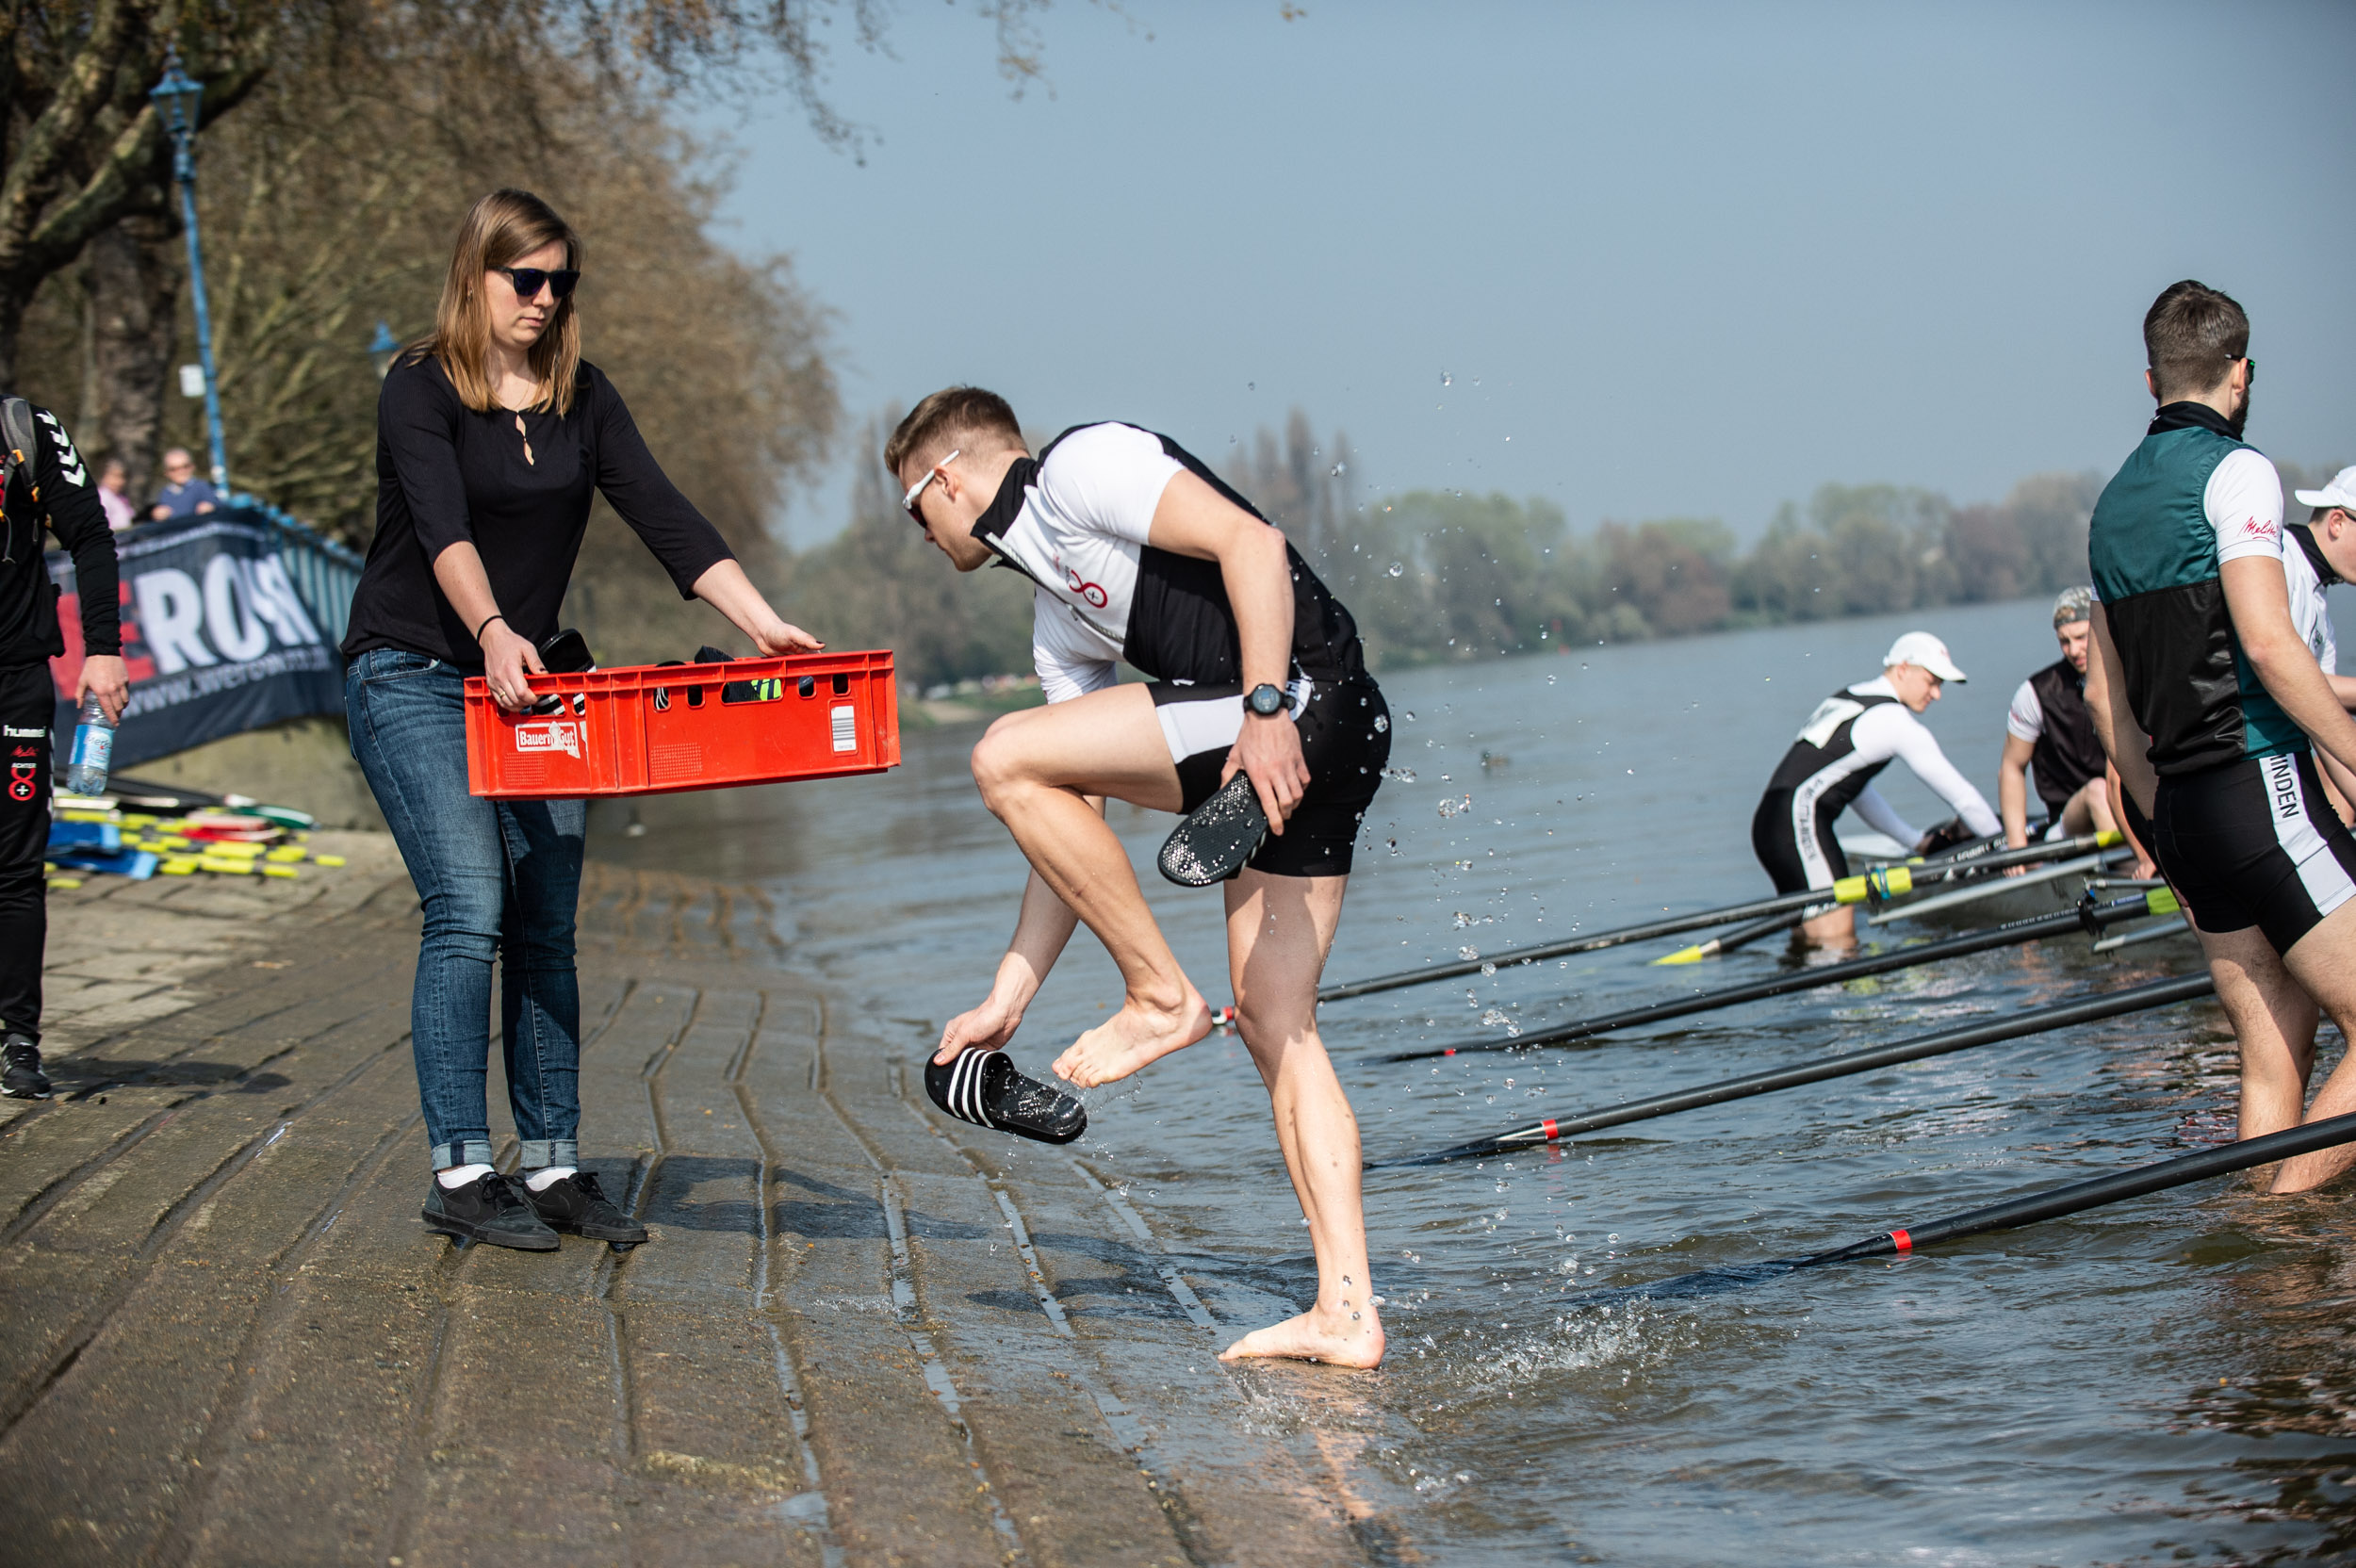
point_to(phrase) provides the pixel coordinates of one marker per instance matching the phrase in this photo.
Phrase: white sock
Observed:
(459, 1175)
(547, 1176)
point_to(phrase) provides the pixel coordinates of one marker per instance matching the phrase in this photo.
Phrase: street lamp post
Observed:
(176, 98)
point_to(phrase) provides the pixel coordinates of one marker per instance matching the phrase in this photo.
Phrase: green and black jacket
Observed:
(2154, 553)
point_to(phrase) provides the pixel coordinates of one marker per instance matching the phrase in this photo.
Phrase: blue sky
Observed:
(1675, 260)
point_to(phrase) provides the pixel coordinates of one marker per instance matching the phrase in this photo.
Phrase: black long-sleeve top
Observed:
(447, 475)
(67, 503)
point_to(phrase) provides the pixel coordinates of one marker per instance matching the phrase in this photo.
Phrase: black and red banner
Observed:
(217, 638)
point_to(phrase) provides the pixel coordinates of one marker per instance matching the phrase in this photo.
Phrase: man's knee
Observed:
(1000, 765)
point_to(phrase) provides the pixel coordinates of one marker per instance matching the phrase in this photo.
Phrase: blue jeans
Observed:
(497, 878)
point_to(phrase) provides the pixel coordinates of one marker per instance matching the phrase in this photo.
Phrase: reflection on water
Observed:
(2165, 1381)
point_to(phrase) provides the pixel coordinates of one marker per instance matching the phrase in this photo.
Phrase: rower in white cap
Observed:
(1853, 735)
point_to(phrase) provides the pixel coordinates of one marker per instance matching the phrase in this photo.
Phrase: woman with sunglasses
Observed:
(492, 435)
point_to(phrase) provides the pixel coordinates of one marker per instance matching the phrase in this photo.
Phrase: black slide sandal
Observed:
(983, 1088)
(1216, 838)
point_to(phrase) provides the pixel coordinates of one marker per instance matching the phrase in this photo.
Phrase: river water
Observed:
(2168, 1380)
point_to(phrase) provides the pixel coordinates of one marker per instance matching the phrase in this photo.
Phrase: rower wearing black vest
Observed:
(2211, 703)
(2050, 732)
(1851, 737)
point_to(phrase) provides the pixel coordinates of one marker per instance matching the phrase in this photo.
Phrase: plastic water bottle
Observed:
(93, 750)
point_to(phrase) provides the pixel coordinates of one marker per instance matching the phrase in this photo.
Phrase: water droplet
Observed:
(1485, 968)
(1468, 954)
(1405, 775)
(1397, 568)
(1339, 469)
(1447, 380)
(1613, 1237)
(1408, 717)
(1381, 723)
(1252, 386)
(1550, 680)
(1495, 1019)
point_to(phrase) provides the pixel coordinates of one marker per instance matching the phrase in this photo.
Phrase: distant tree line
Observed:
(1440, 575)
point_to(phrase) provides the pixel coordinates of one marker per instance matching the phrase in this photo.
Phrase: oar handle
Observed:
(1875, 886)
(1550, 1130)
(2088, 915)
(2116, 1189)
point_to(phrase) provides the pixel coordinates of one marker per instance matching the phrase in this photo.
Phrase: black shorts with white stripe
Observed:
(1345, 738)
(2254, 842)
(1796, 844)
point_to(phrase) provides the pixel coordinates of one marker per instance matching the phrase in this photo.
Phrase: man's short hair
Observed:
(977, 422)
(2192, 334)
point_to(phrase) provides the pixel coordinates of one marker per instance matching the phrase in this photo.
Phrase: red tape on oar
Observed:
(2050, 1204)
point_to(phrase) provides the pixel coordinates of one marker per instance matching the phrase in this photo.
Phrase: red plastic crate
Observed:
(648, 729)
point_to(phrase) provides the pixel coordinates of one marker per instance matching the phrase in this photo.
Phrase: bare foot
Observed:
(1132, 1038)
(1339, 1339)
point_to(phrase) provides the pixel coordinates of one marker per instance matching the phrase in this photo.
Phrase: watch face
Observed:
(1265, 700)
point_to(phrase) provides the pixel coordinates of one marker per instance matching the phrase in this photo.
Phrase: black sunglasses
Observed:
(528, 280)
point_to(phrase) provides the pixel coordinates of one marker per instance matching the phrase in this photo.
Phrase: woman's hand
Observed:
(986, 1028)
(773, 636)
(1270, 750)
(507, 658)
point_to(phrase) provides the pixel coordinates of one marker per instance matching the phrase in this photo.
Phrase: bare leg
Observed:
(1835, 928)
(1279, 930)
(1036, 769)
(2274, 1024)
(2324, 963)
(2089, 809)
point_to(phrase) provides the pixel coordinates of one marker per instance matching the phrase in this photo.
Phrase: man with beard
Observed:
(2210, 701)
(2050, 731)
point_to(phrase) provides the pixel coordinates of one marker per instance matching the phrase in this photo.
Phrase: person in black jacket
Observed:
(50, 486)
(492, 436)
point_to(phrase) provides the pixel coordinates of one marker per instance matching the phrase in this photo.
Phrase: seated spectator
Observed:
(114, 485)
(184, 495)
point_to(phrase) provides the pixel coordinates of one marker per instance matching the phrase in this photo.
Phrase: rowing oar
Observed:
(2078, 1195)
(2088, 917)
(1885, 883)
(1742, 936)
(1550, 1130)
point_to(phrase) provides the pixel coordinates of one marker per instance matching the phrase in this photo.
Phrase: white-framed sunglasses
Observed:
(916, 490)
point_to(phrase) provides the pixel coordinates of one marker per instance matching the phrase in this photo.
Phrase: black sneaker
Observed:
(487, 1209)
(21, 1078)
(576, 1205)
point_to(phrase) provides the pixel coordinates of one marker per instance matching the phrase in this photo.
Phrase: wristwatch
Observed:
(1265, 700)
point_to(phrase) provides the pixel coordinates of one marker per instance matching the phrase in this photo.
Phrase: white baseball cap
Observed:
(1921, 648)
(2340, 492)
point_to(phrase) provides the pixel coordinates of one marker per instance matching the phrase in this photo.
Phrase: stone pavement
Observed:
(864, 1333)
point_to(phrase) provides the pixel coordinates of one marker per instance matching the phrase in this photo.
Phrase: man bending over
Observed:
(1139, 553)
(1830, 767)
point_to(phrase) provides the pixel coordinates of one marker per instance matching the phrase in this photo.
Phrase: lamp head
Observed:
(177, 96)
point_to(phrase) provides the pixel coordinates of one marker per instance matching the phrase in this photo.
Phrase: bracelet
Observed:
(486, 626)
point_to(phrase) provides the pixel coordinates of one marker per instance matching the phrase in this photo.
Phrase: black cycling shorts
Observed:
(1798, 852)
(2254, 842)
(1345, 739)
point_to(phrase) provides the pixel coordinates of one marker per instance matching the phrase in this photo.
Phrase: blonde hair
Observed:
(497, 230)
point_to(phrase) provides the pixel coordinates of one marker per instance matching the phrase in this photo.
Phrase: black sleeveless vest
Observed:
(1807, 758)
(2067, 752)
